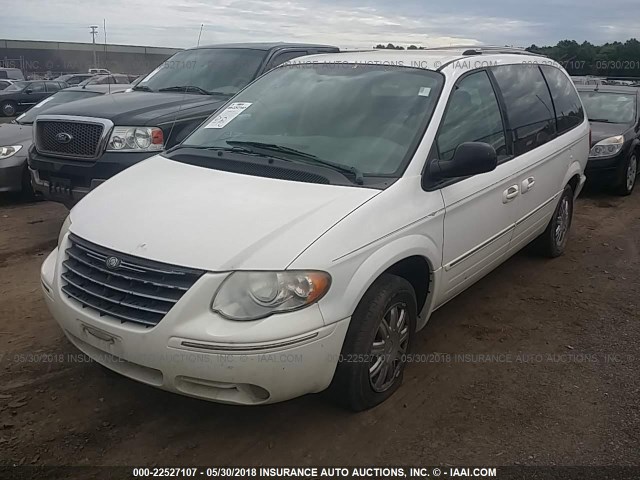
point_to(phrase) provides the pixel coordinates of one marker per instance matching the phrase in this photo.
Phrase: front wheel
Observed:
(378, 339)
(553, 241)
(628, 176)
(8, 108)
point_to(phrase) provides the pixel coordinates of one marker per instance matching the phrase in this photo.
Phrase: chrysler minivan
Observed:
(299, 238)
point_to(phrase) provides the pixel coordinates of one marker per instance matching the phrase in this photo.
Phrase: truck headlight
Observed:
(9, 151)
(607, 147)
(248, 296)
(135, 139)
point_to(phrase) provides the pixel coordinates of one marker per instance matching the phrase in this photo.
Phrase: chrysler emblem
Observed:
(112, 262)
(63, 137)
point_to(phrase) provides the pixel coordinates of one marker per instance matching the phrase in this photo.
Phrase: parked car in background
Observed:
(22, 95)
(17, 137)
(5, 83)
(114, 78)
(614, 113)
(163, 108)
(11, 74)
(309, 228)
(99, 71)
(73, 79)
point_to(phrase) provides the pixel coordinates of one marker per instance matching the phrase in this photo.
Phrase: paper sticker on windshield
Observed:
(232, 111)
(424, 91)
(43, 102)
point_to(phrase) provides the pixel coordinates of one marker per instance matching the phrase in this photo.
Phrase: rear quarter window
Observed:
(528, 103)
(569, 111)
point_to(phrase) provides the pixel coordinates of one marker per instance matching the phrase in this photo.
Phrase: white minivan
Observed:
(302, 235)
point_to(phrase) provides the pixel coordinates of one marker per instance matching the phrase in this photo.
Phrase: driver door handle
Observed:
(528, 184)
(510, 193)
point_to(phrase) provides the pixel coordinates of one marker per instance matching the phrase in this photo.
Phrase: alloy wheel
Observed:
(563, 219)
(632, 172)
(389, 348)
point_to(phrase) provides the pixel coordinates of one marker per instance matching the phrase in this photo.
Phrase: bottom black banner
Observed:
(295, 473)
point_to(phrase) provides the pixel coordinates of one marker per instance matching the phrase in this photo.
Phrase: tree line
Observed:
(616, 59)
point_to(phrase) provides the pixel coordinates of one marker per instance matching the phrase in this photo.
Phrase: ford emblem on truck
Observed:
(63, 137)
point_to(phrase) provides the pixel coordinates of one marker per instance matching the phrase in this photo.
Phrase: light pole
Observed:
(94, 32)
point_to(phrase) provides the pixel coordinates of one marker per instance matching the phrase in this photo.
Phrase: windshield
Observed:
(214, 70)
(56, 99)
(609, 107)
(16, 86)
(362, 117)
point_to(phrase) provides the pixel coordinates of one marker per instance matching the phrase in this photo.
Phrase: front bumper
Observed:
(605, 165)
(67, 181)
(11, 170)
(195, 352)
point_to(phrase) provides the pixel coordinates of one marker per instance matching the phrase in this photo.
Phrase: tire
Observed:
(8, 108)
(553, 241)
(27, 192)
(364, 378)
(628, 175)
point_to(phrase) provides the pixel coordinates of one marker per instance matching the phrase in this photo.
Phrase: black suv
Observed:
(614, 114)
(77, 147)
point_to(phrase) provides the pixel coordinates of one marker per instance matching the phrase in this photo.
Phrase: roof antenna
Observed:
(200, 34)
(109, 77)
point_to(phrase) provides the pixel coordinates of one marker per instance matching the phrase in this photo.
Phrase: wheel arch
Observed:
(413, 258)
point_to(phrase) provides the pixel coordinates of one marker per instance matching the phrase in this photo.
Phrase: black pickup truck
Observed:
(79, 146)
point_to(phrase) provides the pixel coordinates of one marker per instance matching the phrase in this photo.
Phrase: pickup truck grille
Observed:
(126, 288)
(82, 140)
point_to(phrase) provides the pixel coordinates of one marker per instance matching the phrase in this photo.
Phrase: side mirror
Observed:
(28, 90)
(470, 158)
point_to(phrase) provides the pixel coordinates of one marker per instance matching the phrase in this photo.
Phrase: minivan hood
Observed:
(142, 108)
(601, 130)
(13, 134)
(196, 217)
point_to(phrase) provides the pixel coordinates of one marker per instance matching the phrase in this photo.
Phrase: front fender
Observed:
(348, 290)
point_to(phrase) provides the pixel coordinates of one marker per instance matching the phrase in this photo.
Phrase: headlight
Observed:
(65, 228)
(135, 139)
(607, 147)
(254, 295)
(9, 151)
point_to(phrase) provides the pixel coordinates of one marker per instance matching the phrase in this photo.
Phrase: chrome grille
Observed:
(84, 138)
(136, 290)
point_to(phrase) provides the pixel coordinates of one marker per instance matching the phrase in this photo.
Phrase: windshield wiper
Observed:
(600, 120)
(142, 88)
(185, 88)
(359, 177)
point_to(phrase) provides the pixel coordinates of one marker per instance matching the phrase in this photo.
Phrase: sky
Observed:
(347, 24)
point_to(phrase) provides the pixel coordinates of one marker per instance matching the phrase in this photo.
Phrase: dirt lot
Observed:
(562, 386)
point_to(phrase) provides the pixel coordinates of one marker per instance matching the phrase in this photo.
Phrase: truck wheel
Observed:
(374, 353)
(8, 108)
(628, 176)
(554, 239)
(27, 189)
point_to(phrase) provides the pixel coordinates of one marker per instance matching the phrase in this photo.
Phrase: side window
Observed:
(53, 86)
(569, 112)
(472, 115)
(37, 87)
(121, 79)
(280, 58)
(529, 107)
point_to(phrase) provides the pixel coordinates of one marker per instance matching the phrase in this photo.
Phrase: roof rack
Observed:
(485, 49)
